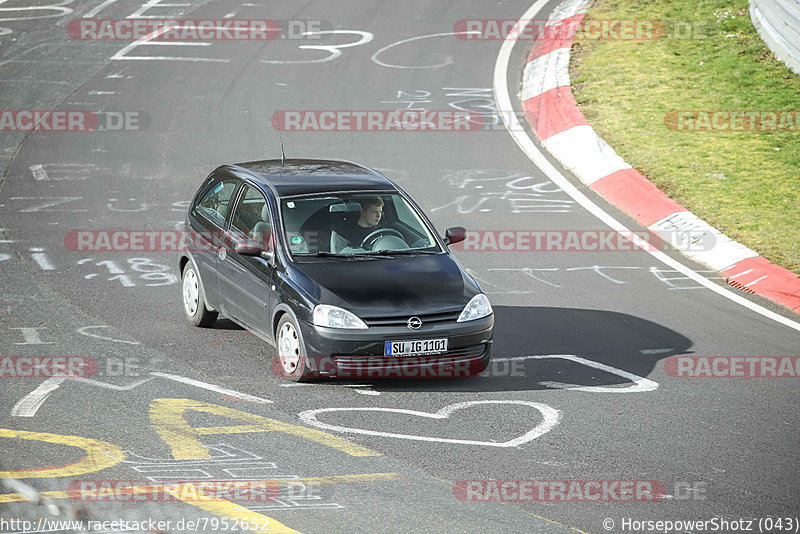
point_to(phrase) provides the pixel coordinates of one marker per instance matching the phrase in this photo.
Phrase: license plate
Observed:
(415, 347)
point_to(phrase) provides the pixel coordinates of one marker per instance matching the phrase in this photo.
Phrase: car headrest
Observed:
(265, 213)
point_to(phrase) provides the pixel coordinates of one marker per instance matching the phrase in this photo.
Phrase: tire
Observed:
(292, 355)
(194, 305)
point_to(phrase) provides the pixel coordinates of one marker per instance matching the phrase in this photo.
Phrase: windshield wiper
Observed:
(371, 254)
(326, 254)
(329, 254)
(406, 252)
(379, 253)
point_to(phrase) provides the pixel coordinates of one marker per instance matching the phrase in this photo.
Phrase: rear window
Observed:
(215, 203)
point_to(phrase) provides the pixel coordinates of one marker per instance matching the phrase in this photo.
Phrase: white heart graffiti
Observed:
(550, 415)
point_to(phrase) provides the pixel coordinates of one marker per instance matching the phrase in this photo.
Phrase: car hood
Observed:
(403, 285)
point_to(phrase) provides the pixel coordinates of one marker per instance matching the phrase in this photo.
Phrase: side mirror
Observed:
(454, 235)
(248, 247)
(251, 247)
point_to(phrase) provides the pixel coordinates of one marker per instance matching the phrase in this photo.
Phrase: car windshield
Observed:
(355, 224)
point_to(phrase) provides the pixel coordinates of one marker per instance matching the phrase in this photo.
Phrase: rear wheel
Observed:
(291, 350)
(194, 305)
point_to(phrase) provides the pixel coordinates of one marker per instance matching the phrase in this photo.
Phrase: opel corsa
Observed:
(332, 262)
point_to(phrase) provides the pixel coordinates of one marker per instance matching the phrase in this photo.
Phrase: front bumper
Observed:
(342, 352)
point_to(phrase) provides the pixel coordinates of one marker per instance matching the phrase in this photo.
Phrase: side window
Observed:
(251, 219)
(407, 216)
(215, 203)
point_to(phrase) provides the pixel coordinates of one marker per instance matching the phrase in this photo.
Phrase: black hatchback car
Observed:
(336, 266)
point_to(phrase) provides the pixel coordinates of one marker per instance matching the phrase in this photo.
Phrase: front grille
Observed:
(377, 361)
(403, 320)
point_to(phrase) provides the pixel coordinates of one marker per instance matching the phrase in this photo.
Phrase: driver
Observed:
(371, 213)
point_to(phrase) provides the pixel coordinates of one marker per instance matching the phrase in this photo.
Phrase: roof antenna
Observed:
(280, 137)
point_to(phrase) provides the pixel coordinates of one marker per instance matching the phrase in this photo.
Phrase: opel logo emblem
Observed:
(414, 323)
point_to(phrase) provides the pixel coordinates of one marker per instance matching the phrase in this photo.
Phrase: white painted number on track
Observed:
(155, 273)
(444, 63)
(334, 50)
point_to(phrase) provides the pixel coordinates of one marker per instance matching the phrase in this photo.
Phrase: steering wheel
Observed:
(373, 236)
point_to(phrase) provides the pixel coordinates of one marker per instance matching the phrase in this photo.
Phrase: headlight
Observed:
(334, 317)
(476, 308)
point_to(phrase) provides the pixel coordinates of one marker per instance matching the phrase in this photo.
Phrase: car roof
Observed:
(304, 176)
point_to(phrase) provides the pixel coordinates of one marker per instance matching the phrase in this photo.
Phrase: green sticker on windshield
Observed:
(297, 240)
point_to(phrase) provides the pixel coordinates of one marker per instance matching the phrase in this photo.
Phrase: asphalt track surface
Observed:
(732, 440)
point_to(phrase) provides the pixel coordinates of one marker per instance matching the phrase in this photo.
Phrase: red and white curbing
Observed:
(559, 124)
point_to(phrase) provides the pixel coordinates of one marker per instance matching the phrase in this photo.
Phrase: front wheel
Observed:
(291, 350)
(194, 305)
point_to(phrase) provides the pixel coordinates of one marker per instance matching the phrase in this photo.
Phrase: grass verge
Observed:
(746, 183)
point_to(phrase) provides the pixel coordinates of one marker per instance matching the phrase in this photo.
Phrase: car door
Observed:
(206, 223)
(246, 282)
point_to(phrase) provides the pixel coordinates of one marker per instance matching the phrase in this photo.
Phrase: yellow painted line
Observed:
(168, 418)
(16, 497)
(333, 479)
(99, 455)
(227, 509)
(557, 523)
